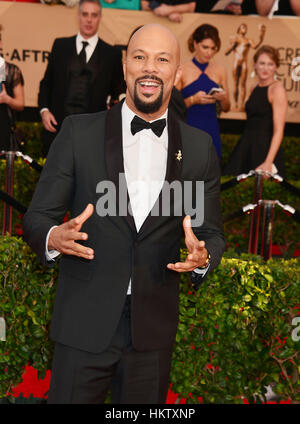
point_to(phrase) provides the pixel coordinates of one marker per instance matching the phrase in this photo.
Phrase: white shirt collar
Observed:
(92, 40)
(129, 139)
(128, 115)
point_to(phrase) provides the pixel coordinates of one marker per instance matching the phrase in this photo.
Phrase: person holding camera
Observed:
(201, 82)
(11, 100)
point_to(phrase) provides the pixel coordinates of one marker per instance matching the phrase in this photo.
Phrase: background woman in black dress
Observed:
(11, 100)
(266, 108)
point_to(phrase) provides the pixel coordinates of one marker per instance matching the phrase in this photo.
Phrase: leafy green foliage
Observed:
(24, 183)
(31, 138)
(26, 299)
(234, 334)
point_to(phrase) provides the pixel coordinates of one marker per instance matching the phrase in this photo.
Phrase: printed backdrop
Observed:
(29, 31)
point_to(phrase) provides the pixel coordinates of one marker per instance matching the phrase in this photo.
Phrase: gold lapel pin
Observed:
(178, 155)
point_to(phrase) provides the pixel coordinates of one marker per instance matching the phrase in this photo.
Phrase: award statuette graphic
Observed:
(240, 45)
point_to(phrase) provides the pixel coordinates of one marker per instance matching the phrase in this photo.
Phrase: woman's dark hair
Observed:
(203, 32)
(270, 51)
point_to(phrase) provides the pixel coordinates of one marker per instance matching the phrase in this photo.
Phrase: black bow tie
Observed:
(138, 124)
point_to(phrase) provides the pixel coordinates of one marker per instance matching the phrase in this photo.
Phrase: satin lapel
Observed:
(173, 173)
(114, 157)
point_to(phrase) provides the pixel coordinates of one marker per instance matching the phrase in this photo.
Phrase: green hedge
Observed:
(234, 334)
(286, 230)
(27, 291)
(291, 146)
(31, 132)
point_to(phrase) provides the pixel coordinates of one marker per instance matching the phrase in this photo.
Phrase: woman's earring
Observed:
(252, 75)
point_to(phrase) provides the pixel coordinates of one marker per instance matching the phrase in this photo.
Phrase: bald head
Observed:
(155, 32)
(151, 68)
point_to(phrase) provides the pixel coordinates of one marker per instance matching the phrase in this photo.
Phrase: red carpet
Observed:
(32, 385)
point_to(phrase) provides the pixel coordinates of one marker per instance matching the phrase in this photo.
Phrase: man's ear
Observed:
(178, 75)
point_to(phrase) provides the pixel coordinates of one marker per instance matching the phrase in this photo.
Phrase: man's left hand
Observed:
(197, 252)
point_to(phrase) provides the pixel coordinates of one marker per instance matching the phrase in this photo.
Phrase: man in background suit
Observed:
(116, 309)
(82, 72)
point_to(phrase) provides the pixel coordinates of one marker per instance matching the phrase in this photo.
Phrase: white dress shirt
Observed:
(145, 164)
(89, 50)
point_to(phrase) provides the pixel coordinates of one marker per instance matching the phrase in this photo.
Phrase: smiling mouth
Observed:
(149, 85)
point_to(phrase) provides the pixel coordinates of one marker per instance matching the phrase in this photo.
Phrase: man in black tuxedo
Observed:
(81, 73)
(116, 309)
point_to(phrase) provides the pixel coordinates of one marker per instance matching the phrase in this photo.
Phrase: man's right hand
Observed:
(62, 238)
(48, 121)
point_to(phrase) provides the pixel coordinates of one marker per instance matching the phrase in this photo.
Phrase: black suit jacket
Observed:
(53, 87)
(91, 294)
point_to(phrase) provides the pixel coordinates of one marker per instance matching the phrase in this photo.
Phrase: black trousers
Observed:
(80, 377)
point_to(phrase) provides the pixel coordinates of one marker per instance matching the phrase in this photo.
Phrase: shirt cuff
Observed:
(202, 271)
(50, 254)
(41, 111)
